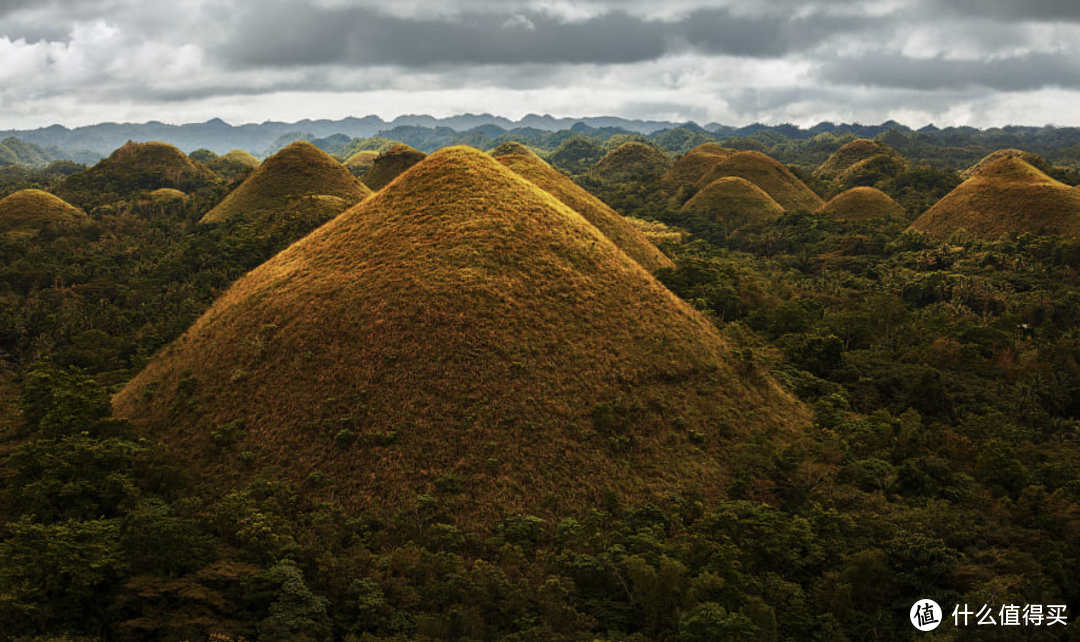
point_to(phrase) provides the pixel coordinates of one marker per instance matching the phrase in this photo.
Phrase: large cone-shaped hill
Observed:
(778, 182)
(859, 154)
(1006, 196)
(26, 212)
(629, 160)
(135, 167)
(300, 175)
(734, 202)
(695, 164)
(461, 322)
(1034, 160)
(861, 204)
(390, 164)
(525, 163)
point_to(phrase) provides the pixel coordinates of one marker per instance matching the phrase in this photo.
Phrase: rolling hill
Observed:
(857, 155)
(299, 174)
(776, 180)
(527, 164)
(462, 324)
(390, 164)
(629, 160)
(1006, 196)
(695, 164)
(26, 212)
(733, 202)
(861, 204)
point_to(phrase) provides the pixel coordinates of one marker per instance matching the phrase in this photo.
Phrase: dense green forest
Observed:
(943, 459)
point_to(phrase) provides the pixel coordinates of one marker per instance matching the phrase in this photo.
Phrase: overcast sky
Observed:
(949, 62)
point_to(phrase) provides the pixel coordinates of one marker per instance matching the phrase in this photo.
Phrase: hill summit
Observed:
(733, 202)
(776, 180)
(26, 212)
(298, 175)
(859, 154)
(631, 159)
(696, 163)
(527, 164)
(460, 324)
(1005, 196)
(390, 164)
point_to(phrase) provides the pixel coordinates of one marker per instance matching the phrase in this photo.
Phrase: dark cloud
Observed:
(1010, 10)
(298, 34)
(1019, 73)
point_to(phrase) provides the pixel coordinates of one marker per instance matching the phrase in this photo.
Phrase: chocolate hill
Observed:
(734, 202)
(390, 164)
(629, 160)
(1006, 196)
(776, 180)
(861, 204)
(361, 161)
(858, 154)
(527, 164)
(460, 324)
(695, 164)
(26, 212)
(1034, 160)
(299, 176)
(135, 167)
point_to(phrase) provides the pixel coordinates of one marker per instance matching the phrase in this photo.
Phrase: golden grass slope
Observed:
(361, 161)
(298, 172)
(26, 212)
(848, 158)
(631, 159)
(1034, 160)
(527, 164)
(390, 164)
(695, 164)
(776, 180)
(734, 202)
(861, 204)
(461, 322)
(1007, 196)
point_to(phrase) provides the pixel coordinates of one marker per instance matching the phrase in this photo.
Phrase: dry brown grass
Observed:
(848, 159)
(776, 180)
(861, 204)
(695, 164)
(608, 221)
(361, 161)
(1034, 160)
(1007, 196)
(734, 202)
(299, 171)
(26, 212)
(243, 157)
(390, 164)
(460, 322)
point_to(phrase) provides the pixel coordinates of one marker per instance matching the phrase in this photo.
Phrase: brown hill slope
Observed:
(696, 163)
(26, 212)
(768, 174)
(297, 173)
(861, 204)
(390, 164)
(734, 202)
(361, 161)
(847, 160)
(464, 324)
(1036, 161)
(1006, 196)
(135, 167)
(527, 164)
(631, 159)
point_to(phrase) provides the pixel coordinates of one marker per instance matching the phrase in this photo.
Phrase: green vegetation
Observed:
(731, 202)
(457, 412)
(630, 159)
(772, 177)
(390, 164)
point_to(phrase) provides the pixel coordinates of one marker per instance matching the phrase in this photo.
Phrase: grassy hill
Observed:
(861, 204)
(733, 202)
(461, 329)
(847, 161)
(527, 164)
(27, 211)
(776, 180)
(390, 164)
(695, 163)
(1034, 160)
(631, 159)
(361, 161)
(298, 172)
(1006, 196)
(135, 167)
